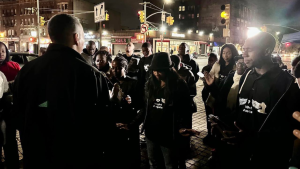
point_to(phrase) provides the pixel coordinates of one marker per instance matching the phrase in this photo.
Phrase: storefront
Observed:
(118, 43)
(12, 44)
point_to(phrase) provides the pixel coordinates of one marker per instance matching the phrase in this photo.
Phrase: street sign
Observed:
(153, 29)
(99, 12)
(144, 28)
(163, 17)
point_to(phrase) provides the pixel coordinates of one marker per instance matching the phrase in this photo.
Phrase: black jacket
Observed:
(133, 66)
(177, 106)
(89, 58)
(62, 106)
(270, 140)
(144, 71)
(195, 69)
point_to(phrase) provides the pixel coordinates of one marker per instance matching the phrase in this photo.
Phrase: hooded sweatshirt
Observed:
(264, 111)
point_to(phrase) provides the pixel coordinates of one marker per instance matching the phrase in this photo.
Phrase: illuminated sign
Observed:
(178, 35)
(89, 36)
(120, 40)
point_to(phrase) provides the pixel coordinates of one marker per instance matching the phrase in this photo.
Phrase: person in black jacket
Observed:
(167, 100)
(89, 52)
(133, 61)
(62, 105)
(145, 63)
(266, 102)
(127, 100)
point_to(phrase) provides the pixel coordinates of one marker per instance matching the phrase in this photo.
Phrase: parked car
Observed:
(22, 58)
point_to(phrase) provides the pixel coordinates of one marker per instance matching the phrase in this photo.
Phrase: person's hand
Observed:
(234, 137)
(122, 126)
(116, 90)
(296, 116)
(208, 78)
(128, 99)
(189, 132)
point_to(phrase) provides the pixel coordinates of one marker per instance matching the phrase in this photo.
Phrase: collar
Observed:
(272, 73)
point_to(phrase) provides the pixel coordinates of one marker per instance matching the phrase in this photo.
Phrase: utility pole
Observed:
(100, 34)
(38, 24)
(145, 21)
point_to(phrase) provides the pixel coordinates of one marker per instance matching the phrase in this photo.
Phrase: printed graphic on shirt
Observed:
(250, 104)
(146, 67)
(159, 103)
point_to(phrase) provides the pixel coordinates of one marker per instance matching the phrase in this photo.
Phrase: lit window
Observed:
(197, 31)
(179, 16)
(179, 8)
(183, 8)
(198, 15)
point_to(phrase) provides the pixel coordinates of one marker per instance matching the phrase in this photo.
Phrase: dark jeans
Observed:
(208, 110)
(161, 157)
(11, 147)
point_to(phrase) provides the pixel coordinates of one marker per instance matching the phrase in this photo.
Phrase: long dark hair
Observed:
(108, 59)
(7, 53)
(153, 85)
(234, 53)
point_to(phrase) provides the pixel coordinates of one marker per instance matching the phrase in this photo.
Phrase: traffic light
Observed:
(142, 16)
(263, 29)
(287, 44)
(170, 20)
(106, 17)
(225, 14)
(42, 21)
(32, 39)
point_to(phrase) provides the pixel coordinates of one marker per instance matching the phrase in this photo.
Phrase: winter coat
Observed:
(62, 109)
(269, 124)
(194, 65)
(133, 65)
(177, 106)
(144, 71)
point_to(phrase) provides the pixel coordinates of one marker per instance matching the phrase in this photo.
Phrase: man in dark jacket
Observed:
(145, 63)
(133, 61)
(62, 104)
(89, 52)
(264, 135)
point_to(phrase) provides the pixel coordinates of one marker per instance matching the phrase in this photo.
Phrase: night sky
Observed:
(282, 12)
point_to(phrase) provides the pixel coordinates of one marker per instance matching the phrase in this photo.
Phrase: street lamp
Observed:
(201, 33)
(104, 33)
(163, 28)
(277, 33)
(175, 29)
(167, 1)
(252, 31)
(190, 31)
(211, 34)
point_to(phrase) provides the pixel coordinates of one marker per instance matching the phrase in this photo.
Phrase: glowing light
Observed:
(201, 33)
(252, 31)
(175, 29)
(190, 31)
(163, 29)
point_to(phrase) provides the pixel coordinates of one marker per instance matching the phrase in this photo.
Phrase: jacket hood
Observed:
(185, 67)
(86, 51)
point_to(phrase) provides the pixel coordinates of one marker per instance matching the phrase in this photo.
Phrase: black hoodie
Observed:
(264, 111)
(88, 57)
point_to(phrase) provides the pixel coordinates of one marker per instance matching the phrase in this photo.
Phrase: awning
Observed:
(292, 37)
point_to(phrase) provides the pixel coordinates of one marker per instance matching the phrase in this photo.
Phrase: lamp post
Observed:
(163, 17)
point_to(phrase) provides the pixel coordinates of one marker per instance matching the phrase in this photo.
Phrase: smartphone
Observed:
(200, 74)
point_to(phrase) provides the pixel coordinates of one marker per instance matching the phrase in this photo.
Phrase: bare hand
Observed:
(128, 99)
(296, 116)
(189, 132)
(234, 136)
(122, 126)
(208, 78)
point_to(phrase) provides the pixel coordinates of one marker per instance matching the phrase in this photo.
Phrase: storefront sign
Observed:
(120, 40)
(178, 35)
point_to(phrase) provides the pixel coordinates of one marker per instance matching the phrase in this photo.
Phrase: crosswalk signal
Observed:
(106, 17)
(142, 16)
(42, 21)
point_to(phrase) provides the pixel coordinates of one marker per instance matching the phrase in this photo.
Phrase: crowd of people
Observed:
(82, 108)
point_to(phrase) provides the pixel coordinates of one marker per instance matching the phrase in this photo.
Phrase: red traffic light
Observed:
(288, 44)
(139, 13)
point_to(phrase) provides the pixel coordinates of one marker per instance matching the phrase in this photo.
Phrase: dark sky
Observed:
(127, 8)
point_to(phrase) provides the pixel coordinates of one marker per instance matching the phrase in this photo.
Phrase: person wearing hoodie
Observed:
(89, 52)
(145, 63)
(262, 130)
(133, 61)
(63, 111)
(164, 114)
(102, 61)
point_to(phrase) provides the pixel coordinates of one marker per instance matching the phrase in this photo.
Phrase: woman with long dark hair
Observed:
(226, 62)
(164, 115)
(9, 68)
